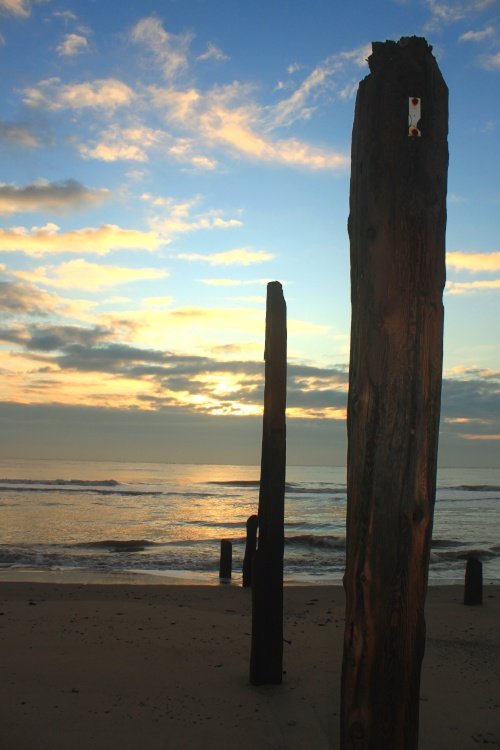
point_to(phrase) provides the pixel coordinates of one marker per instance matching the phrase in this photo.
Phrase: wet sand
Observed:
(89, 666)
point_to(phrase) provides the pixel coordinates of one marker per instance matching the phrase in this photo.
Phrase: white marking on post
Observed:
(414, 115)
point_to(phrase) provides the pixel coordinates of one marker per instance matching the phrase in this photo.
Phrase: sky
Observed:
(160, 163)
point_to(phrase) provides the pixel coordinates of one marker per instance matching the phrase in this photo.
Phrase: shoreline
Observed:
(121, 666)
(181, 578)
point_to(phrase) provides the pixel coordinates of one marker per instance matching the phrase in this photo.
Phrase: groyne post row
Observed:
(397, 239)
(266, 656)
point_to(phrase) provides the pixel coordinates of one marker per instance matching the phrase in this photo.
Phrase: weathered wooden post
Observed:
(473, 590)
(226, 559)
(250, 545)
(266, 657)
(397, 233)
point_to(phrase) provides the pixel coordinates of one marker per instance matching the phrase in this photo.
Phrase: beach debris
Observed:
(396, 228)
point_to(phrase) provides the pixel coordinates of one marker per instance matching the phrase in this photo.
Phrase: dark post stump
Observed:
(397, 233)
(266, 657)
(226, 559)
(473, 592)
(251, 543)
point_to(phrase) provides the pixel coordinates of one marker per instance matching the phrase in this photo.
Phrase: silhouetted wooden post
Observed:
(397, 232)
(226, 559)
(473, 592)
(251, 543)
(266, 658)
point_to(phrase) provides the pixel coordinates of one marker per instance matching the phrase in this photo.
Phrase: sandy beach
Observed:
(162, 666)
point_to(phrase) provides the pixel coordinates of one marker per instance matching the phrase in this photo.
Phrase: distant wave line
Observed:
(65, 482)
(471, 488)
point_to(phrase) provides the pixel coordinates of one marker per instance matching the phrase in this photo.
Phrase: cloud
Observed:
(184, 150)
(469, 287)
(18, 134)
(240, 256)
(21, 8)
(473, 262)
(181, 217)
(168, 50)
(136, 141)
(300, 105)
(445, 13)
(233, 282)
(49, 239)
(66, 15)
(234, 128)
(471, 394)
(21, 298)
(52, 196)
(91, 277)
(477, 36)
(102, 94)
(72, 44)
(153, 378)
(124, 143)
(55, 338)
(490, 62)
(212, 53)
(227, 117)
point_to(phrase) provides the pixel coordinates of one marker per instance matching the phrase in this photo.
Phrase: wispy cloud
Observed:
(102, 94)
(212, 53)
(229, 117)
(473, 262)
(21, 8)
(90, 277)
(301, 104)
(72, 44)
(53, 196)
(490, 62)
(238, 257)
(48, 239)
(65, 15)
(118, 143)
(197, 122)
(180, 217)
(18, 134)
(170, 51)
(470, 287)
(234, 282)
(477, 36)
(445, 13)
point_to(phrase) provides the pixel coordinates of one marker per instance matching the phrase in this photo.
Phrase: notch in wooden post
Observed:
(250, 546)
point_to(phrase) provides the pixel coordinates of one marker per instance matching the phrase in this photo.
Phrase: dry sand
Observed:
(114, 666)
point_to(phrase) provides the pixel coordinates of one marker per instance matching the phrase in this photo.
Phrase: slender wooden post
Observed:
(226, 559)
(473, 591)
(397, 234)
(251, 543)
(266, 658)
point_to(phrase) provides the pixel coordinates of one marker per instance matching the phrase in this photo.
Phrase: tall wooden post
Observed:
(397, 233)
(266, 657)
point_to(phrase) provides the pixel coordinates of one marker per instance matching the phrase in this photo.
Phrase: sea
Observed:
(166, 521)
